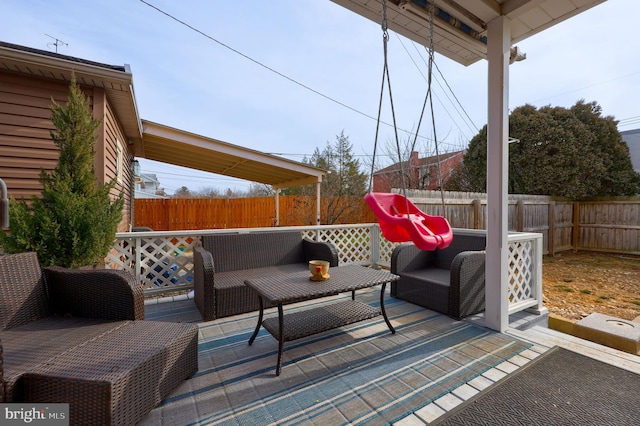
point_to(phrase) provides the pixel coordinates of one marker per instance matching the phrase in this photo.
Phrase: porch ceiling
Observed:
(173, 146)
(460, 26)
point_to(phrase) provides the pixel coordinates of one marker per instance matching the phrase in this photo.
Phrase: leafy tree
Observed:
(260, 190)
(458, 179)
(572, 153)
(74, 222)
(209, 192)
(344, 178)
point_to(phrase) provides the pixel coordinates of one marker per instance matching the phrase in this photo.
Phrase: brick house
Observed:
(419, 173)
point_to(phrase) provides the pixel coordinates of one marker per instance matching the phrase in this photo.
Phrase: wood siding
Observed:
(25, 126)
(25, 139)
(113, 133)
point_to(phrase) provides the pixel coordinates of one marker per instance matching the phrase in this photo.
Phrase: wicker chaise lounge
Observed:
(449, 281)
(225, 260)
(78, 337)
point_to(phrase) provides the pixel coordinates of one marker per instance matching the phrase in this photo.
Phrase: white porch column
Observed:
(277, 200)
(318, 201)
(498, 48)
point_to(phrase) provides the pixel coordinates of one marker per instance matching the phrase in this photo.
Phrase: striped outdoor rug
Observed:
(358, 374)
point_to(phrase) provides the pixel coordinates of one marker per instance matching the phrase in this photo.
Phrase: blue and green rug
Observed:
(358, 374)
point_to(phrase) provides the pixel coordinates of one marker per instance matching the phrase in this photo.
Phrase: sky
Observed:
(287, 76)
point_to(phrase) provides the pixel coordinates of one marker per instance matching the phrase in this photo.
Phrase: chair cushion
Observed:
(432, 276)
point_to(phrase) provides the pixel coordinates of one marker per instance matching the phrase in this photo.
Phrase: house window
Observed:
(119, 161)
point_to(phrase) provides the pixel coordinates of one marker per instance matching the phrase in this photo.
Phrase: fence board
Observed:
(611, 225)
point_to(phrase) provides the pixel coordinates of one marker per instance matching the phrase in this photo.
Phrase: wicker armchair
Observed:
(449, 281)
(78, 337)
(225, 260)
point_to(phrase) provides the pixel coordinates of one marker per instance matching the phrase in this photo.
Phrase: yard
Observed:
(577, 284)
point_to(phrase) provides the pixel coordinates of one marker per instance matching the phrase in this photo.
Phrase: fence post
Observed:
(551, 239)
(575, 238)
(374, 232)
(537, 275)
(138, 251)
(477, 208)
(520, 216)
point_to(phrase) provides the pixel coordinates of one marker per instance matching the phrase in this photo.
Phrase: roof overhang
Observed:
(460, 26)
(117, 81)
(180, 148)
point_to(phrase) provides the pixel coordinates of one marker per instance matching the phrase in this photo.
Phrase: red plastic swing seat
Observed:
(399, 225)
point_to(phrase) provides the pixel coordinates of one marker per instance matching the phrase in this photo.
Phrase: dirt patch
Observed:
(578, 284)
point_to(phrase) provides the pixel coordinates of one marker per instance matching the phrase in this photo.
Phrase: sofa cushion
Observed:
(236, 279)
(234, 297)
(23, 295)
(229, 251)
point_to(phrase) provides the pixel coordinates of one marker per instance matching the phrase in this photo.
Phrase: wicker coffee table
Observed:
(296, 287)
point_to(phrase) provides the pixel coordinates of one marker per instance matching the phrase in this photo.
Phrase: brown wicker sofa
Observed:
(78, 337)
(449, 281)
(224, 261)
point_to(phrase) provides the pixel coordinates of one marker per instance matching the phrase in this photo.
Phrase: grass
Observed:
(564, 288)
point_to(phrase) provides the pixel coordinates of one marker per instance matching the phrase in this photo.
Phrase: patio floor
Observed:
(358, 374)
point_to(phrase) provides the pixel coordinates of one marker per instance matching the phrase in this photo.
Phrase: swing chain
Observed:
(385, 27)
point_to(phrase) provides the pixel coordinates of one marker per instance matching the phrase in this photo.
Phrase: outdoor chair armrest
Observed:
(96, 293)
(407, 257)
(1, 375)
(320, 250)
(467, 286)
(203, 273)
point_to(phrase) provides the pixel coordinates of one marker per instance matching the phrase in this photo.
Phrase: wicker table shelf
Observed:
(296, 286)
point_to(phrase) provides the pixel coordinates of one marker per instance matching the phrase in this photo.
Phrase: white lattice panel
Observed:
(167, 262)
(352, 244)
(164, 261)
(122, 256)
(521, 278)
(386, 249)
(160, 262)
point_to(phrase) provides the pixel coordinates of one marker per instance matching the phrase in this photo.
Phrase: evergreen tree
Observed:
(572, 153)
(344, 179)
(74, 222)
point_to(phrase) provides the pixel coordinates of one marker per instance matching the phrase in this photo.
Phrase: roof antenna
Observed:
(57, 42)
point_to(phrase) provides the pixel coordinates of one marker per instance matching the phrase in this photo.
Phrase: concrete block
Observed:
(610, 331)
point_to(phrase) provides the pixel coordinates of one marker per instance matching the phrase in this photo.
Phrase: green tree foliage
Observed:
(74, 222)
(344, 178)
(572, 153)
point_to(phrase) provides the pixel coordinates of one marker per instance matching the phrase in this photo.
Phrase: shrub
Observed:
(74, 222)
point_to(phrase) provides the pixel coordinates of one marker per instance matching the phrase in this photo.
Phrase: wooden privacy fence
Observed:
(612, 225)
(173, 214)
